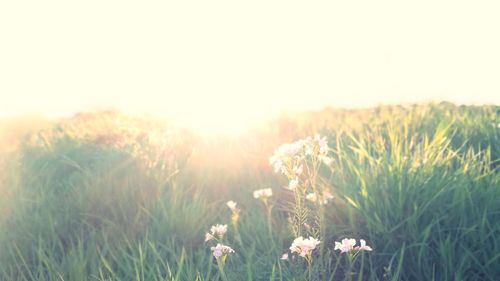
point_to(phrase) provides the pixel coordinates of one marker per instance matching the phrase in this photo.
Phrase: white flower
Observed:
(208, 237)
(287, 157)
(232, 205)
(218, 230)
(285, 154)
(312, 197)
(363, 246)
(293, 184)
(304, 247)
(277, 163)
(323, 198)
(323, 144)
(347, 245)
(284, 257)
(326, 160)
(221, 250)
(263, 193)
(327, 196)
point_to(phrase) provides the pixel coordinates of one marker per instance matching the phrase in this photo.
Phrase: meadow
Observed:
(109, 196)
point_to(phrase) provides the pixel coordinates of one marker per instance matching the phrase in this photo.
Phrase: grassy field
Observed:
(107, 196)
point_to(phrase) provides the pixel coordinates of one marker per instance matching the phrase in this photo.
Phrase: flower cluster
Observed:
(216, 231)
(221, 250)
(287, 158)
(304, 247)
(232, 205)
(299, 162)
(349, 245)
(322, 199)
(263, 193)
(235, 212)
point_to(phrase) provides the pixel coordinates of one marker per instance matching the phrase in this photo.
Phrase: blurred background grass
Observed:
(108, 196)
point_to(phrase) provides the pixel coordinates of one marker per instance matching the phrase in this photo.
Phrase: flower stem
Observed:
(309, 267)
(221, 264)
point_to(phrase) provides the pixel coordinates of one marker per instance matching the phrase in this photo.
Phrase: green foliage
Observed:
(110, 197)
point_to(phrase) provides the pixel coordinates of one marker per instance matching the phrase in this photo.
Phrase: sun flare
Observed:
(220, 120)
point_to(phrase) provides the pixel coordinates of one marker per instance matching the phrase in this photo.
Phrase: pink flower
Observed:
(221, 250)
(304, 247)
(263, 193)
(345, 246)
(216, 230)
(293, 184)
(363, 246)
(219, 230)
(349, 245)
(284, 257)
(323, 198)
(208, 237)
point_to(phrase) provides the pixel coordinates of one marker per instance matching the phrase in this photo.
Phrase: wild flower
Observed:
(326, 160)
(221, 250)
(263, 193)
(363, 246)
(216, 231)
(286, 154)
(235, 212)
(288, 157)
(304, 247)
(208, 237)
(346, 245)
(313, 197)
(293, 184)
(349, 245)
(284, 257)
(322, 199)
(317, 143)
(232, 205)
(219, 230)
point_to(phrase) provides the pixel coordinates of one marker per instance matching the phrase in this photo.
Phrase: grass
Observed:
(112, 197)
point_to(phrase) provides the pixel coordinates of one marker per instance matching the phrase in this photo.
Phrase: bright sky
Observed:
(209, 62)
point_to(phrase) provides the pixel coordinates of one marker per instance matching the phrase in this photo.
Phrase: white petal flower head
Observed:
(263, 193)
(363, 246)
(327, 160)
(277, 163)
(312, 197)
(345, 246)
(322, 143)
(232, 205)
(304, 247)
(326, 197)
(285, 154)
(208, 237)
(219, 230)
(284, 257)
(293, 184)
(221, 250)
(323, 198)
